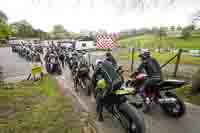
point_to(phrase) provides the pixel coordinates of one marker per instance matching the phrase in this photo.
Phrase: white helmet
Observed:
(144, 53)
(98, 61)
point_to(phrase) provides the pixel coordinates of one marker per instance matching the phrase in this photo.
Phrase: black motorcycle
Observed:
(118, 103)
(14, 49)
(160, 94)
(53, 65)
(83, 79)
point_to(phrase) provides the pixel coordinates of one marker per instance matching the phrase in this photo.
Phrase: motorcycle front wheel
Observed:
(132, 119)
(176, 109)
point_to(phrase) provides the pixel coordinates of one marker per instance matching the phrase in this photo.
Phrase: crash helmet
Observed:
(98, 61)
(108, 54)
(144, 53)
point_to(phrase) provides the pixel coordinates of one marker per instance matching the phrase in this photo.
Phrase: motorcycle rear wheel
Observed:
(177, 110)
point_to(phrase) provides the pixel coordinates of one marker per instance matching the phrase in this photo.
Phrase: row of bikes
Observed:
(127, 101)
(27, 52)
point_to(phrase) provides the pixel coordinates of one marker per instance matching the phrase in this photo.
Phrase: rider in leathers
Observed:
(105, 70)
(109, 57)
(151, 68)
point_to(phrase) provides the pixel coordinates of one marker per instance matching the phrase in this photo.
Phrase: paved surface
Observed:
(14, 68)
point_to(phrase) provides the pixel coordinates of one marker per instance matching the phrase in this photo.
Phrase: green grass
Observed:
(186, 94)
(37, 108)
(47, 86)
(3, 45)
(163, 58)
(151, 41)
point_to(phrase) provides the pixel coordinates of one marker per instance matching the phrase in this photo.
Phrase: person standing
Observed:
(62, 59)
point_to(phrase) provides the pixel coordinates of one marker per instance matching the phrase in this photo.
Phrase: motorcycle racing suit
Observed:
(152, 68)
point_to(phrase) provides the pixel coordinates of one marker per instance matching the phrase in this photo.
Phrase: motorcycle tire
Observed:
(59, 71)
(135, 120)
(88, 87)
(47, 67)
(169, 110)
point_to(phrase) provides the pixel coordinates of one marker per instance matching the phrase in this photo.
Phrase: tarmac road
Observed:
(14, 68)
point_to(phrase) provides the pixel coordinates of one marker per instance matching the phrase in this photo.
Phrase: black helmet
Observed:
(144, 53)
(108, 54)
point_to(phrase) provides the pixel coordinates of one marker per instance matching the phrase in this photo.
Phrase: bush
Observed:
(196, 82)
(186, 34)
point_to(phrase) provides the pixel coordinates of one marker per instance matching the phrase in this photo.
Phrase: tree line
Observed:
(23, 29)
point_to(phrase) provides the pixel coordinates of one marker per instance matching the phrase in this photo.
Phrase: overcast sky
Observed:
(112, 15)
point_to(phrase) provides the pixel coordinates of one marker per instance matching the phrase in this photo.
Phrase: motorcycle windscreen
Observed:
(110, 71)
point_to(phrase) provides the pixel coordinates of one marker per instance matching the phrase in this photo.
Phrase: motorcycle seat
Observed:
(171, 82)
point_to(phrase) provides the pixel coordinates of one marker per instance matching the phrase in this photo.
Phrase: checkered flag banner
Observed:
(106, 41)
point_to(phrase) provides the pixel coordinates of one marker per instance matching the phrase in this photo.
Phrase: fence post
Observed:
(89, 58)
(177, 62)
(132, 58)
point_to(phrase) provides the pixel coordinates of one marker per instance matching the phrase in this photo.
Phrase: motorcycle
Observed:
(14, 49)
(82, 79)
(160, 94)
(119, 105)
(53, 65)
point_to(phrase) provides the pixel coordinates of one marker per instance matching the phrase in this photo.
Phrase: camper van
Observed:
(85, 45)
(195, 53)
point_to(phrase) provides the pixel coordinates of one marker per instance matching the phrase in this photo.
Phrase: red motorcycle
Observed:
(159, 94)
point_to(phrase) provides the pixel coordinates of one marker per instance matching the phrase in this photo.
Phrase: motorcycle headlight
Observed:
(101, 84)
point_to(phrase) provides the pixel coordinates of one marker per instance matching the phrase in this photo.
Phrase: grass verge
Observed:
(151, 41)
(36, 107)
(163, 58)
(3, 45)
(186, 94)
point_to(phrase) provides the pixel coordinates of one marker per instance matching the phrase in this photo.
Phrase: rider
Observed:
(62, 58)
(151, 68)
(105, 70)
(110, 58)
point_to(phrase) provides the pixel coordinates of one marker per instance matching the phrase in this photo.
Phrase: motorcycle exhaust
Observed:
(167, 100)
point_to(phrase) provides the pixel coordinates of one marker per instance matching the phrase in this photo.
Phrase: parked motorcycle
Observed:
(83, 80)
(119, 105)
(160, 94)
(14, 49)
(53, 65)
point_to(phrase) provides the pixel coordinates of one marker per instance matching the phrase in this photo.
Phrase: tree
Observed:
(172, 28)
(22, 29)
(3, 17)
(155, 29)
(5, 31)
(38, 33)
(179, 28)
(195, 82)
(187, 32)
(59, 32)
(162, 33)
